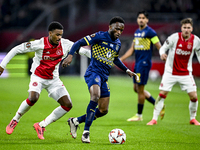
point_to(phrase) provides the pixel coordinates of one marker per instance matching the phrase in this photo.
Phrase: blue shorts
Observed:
(143, 73)
(94, 78)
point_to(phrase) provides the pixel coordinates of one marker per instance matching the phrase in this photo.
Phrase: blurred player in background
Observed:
(178, 68)
(49, 52)
(105, 48)
(144, 39)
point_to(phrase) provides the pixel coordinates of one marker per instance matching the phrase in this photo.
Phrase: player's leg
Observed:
(148, 97)
(158, 107)
(193, 106)
(59, 93)
(90, 112)
(165, 87)
(188, 83)
(141, 99)
(35, 88)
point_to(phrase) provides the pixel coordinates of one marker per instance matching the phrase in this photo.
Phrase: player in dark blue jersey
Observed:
(105, 48)
(144, 39)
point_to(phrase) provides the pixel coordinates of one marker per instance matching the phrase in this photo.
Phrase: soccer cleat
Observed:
(73, 127)
(194, 122)
(86, 137)
(152, 122)
(162, 112)
(135, 118)
(39, 130)
(10, 128)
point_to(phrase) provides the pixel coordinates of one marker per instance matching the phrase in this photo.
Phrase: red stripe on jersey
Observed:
(182, 55)
(51, 56)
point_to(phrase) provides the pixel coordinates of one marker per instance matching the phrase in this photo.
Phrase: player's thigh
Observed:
(187, 83)
(36, 84)
(56, 89)
(167, 82)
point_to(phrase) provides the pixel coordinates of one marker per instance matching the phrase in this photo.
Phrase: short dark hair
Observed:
(55, 25)
(144, 13)
(187, 20)
(117, 19)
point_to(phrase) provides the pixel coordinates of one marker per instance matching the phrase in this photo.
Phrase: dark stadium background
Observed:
(24, 20)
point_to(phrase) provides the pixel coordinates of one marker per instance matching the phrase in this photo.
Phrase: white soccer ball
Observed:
(117, 136)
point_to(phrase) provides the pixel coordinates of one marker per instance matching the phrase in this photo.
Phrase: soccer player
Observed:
(105, 48)
(178, 68)
(49, 51)
(144, 39)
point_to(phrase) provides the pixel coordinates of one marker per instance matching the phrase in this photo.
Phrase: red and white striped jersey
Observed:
(47, 57)
(180, 54)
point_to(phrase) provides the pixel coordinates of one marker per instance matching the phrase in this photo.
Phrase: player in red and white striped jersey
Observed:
(178, 68)
(49, 52)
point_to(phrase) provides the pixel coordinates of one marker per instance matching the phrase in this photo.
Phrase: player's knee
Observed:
(95, 97)
(33, 99)
(64, 101)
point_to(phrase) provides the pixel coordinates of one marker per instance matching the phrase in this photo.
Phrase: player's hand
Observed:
(131, 74)
(66, 62)
(163, 57)
(1, 70)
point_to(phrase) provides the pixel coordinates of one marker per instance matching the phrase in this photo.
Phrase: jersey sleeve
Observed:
(167, 44)
(91, 39)
(153, 36)
(19, 49)
(197, 48)
(67, 45)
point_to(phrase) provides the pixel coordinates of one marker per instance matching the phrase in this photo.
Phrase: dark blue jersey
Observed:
(103, 52)
(143, 43)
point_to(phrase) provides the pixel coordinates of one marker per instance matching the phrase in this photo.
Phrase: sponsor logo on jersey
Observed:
(111, 45)
(182, 52)
(48, 58)
(28, 45)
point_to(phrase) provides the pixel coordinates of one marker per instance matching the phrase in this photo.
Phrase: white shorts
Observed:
(186, 83)
(54, 87)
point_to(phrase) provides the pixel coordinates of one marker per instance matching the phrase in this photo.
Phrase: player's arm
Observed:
(163, 49)
(128, 53)
(155, 40)
(75, 48)
(119, 64)
(14, 51)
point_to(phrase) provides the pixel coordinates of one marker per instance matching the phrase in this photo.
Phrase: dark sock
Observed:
(140, 108)
(90, 114)
(97, 115)
(151, 100)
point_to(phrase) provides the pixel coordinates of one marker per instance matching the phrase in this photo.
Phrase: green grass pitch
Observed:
(173, 132)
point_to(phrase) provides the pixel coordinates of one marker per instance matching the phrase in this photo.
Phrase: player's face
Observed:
(186, 30)
(55, 36)
(115, 30)
(142, 20)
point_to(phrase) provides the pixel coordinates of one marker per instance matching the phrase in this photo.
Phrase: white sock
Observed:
(193, 109)
(23, 108)
(158, 107)
(55, 115)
